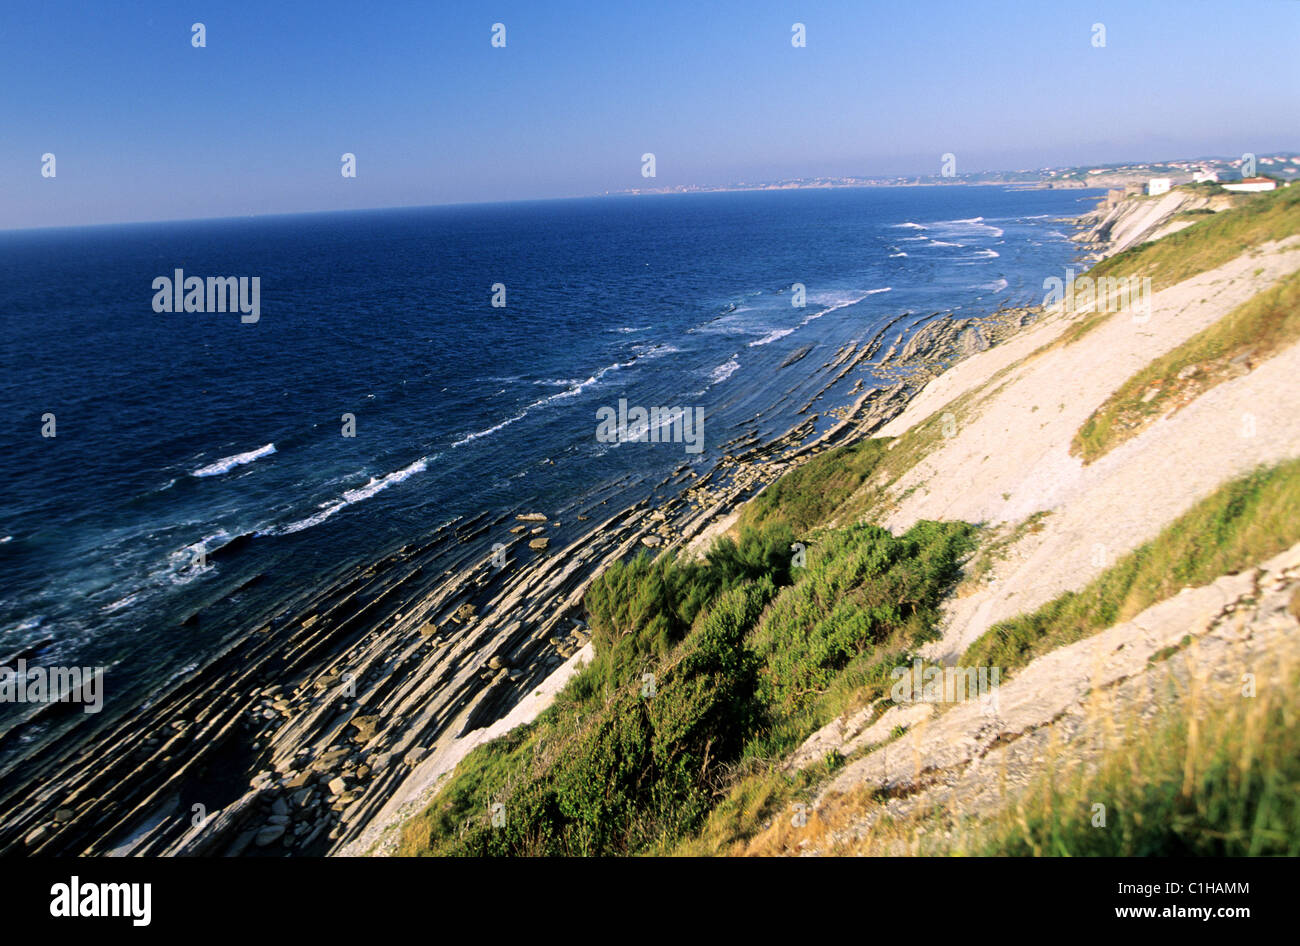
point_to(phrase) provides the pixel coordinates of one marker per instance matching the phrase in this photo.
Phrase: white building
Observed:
(1250, 185)
(1203, 176)
(1158, 185)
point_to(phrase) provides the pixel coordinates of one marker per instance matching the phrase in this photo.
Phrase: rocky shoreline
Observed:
(296, 737)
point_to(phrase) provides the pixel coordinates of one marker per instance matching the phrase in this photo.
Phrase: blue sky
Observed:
(146, 127)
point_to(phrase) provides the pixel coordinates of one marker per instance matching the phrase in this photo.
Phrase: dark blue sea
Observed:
(185, 432)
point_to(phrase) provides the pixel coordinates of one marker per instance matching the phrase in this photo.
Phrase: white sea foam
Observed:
(120, 603)
(832, 301)
(651, 351)
(909, 226)
(356, 495)
(970, 226)
(468, 438)
(825, 302)
(380, 483)
(581, 386)
(572, 388)
(725, 370)
(183, 566)
(771, 337)
(226, 464)
(841, 302)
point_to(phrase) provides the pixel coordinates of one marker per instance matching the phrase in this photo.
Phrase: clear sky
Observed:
(144, 126)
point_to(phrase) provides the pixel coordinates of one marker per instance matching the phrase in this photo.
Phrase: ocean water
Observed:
(180, 432)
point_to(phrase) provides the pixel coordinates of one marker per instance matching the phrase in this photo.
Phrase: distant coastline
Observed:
(1285, 165)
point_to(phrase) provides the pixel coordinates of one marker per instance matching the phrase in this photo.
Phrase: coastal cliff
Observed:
(1123, 220)
(690, 666)
(1039, 510)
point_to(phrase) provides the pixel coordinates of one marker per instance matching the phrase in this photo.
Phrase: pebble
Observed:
(269, 835)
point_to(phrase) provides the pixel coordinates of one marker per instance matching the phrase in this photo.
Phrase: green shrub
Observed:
(639, 609)
(640, 768)
(742, 668)
(862, 589)
(809, 495)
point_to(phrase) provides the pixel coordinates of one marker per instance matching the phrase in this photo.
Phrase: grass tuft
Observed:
(1214, 776)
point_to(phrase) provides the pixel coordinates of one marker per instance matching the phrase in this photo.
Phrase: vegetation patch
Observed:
(1215, 240)
(706, 675)
(1212, 774)
(812, 493)
(1212, 777)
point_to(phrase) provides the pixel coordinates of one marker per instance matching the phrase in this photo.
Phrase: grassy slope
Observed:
(1211, 777)
(748, 657)
(751, 656)
(1216, 772)
(812, 494)
(1212, 242)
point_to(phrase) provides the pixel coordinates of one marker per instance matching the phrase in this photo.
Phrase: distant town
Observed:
(1244, 172)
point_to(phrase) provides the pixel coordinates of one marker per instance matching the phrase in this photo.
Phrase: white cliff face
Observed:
(1138, 219)
(1009, 457)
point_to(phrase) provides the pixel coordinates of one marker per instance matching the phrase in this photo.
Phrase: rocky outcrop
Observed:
(1116, 225)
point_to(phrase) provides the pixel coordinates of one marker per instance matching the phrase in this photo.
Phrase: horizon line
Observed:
(673, 191)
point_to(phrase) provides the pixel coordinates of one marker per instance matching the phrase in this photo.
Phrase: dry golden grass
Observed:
(1216, 772)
